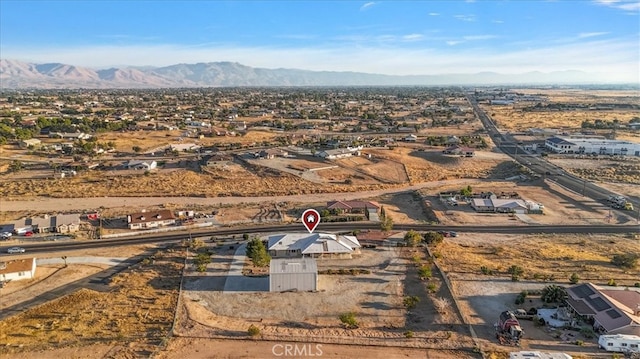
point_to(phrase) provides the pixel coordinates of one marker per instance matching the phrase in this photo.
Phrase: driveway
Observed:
(236, 282)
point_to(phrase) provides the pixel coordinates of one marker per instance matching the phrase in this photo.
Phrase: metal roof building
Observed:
(299, 274)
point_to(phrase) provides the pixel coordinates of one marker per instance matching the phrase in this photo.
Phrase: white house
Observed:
(141, 165)
(17, 269)
(591, 146)
(153, 219)
(312, 245)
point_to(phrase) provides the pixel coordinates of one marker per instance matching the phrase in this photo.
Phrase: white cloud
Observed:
(367, 5)
(479, 37)
(618, 59)
(469, 18)
(413, 37)
(626, 5)
(434, 14)
(497, 21)
(584, 35)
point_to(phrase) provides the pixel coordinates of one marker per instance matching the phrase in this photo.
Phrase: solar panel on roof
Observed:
(614, 314)
(598, 304)
(583, 291)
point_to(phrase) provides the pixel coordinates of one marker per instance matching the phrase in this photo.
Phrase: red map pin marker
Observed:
(310, 219)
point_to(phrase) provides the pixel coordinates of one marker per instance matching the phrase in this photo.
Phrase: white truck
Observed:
(620, 343)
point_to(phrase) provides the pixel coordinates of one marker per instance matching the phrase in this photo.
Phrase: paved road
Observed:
(52, 247)
(236, 282)
(82, 260)
(509, 145)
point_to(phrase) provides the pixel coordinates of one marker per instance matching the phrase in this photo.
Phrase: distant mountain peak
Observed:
(17, 74)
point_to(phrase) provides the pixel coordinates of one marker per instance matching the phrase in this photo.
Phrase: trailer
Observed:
(538, 355)
(620, 343)
(508, 330)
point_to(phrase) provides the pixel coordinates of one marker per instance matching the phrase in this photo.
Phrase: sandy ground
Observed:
(68, 204)
(52, 276)
(252, 349)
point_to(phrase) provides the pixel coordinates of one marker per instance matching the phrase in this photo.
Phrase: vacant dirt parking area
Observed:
(375, 298)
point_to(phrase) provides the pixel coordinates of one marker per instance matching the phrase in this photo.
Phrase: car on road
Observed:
(13, 250)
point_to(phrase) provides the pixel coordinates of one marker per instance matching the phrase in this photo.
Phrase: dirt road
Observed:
(45, 204)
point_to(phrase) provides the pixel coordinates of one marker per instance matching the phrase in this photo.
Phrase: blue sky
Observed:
(390, 37)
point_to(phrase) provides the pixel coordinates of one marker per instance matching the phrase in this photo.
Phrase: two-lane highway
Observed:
(507, 144)
(229, 233)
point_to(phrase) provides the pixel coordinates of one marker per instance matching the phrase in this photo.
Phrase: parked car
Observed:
(5, 235)
(13, 250)
(453, 234)
(28, 234)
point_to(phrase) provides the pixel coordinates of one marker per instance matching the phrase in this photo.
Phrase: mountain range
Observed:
(23, 75)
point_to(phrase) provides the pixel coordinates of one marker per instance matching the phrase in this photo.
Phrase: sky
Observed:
(386, 37)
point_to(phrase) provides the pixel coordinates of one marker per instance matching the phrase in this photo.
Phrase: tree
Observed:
(553, 294)
(64, 258)
(466, 192)
(412, 238)
(516, 272)
(432, 237)
(386, 225)
(136, 149)
(257, 251)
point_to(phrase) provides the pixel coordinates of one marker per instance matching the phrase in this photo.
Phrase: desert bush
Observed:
(349, 320)
(432, 287)
(253, 330)
(441, 304)
(410, 302)
(485, 270)
(628, 260)
(574, 279)
(516, 272)
(424, 272)
(408, 334)
(612, 282)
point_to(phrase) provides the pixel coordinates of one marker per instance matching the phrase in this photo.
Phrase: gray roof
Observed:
(559, 141)
(297, 265)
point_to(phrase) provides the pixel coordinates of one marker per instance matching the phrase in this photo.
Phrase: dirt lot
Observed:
(513, 118)
(135, 311)
(625, 170)
(251, 349)
(375, 298)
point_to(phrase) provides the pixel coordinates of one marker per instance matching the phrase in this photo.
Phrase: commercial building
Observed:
(591, 146)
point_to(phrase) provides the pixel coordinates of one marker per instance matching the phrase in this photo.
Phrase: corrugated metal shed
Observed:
(299, 274)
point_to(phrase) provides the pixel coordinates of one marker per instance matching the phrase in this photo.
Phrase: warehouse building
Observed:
(591, 146)
(295, 274)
